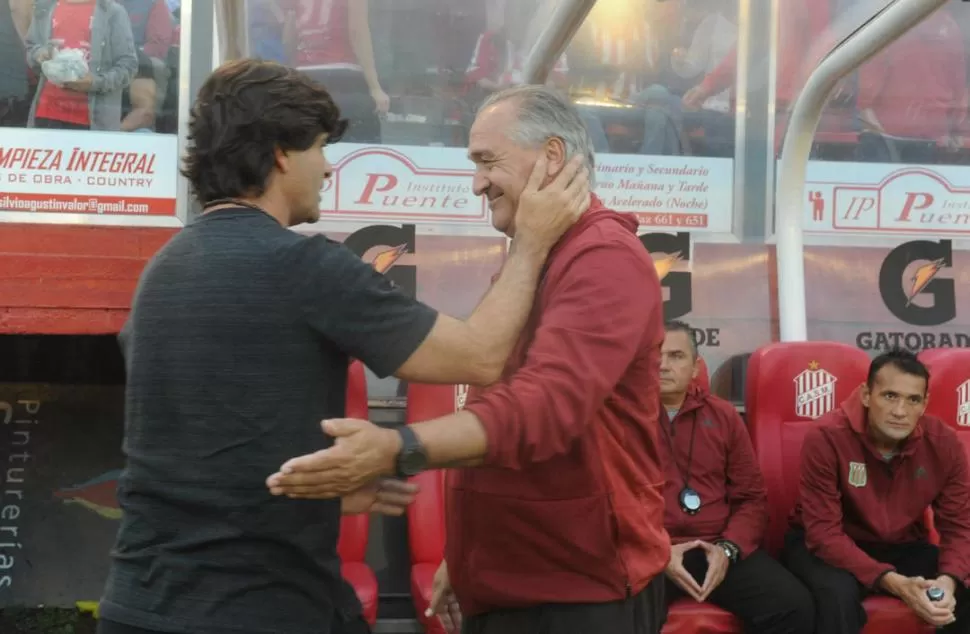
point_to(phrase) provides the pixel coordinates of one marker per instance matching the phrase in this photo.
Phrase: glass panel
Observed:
(656, 79)
(897, 127)
(908, 104)
(885, 209)
(410, 74)
(407, 72)
(103, 111)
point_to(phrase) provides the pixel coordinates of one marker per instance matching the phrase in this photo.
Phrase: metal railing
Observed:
(554, 39)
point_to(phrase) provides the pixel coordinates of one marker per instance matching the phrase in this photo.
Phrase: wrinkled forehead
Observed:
(488, 136)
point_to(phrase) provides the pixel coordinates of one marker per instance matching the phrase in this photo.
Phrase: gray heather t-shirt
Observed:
(236, 348)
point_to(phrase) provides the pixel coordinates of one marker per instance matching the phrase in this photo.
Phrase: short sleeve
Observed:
(358, 309)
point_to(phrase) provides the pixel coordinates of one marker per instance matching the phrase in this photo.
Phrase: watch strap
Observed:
(409, 445)
(730, 549)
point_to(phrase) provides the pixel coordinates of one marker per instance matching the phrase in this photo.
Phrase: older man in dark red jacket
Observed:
(869, 471)
(560, 531)
(557, 526)
(716, 504)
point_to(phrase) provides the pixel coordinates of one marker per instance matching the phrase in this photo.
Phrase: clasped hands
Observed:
(717, 567)
(356, 469)
(912, 592)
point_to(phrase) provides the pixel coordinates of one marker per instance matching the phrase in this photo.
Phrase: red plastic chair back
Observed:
(789, 386)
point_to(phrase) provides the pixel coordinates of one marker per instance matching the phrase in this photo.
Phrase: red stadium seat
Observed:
(687, 616)
(789, 385)
(355, 529)
(949, 394)
(426, 516)
(949, 386)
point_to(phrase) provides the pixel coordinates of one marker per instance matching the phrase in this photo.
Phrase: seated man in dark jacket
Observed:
(716, 505)
(869, 470)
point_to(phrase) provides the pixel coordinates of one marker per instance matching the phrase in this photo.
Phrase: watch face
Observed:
(413, 462)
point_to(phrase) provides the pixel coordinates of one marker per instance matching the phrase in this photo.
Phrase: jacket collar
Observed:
(694, 400)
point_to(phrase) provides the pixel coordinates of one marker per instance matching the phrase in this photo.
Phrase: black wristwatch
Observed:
(730, 549)
(412, 458)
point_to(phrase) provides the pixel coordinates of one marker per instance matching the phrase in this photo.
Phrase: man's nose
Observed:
(480, 184)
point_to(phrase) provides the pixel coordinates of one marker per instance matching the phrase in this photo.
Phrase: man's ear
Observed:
(864, 395)
(555, 151)
(282, 160)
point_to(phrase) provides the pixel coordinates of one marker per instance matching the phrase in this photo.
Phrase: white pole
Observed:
(883, 29)
(232, 28)
(563, 24)
(552, 41)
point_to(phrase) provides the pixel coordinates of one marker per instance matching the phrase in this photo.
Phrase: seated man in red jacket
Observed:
(557, 526)
(869, 470)
(716, 504)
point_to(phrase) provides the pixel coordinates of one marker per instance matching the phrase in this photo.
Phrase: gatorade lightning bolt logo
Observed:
(384, 260)
(923, 276)
(99, 494)
(666, 264)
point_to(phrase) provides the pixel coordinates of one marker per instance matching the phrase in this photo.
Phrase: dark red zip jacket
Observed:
(723, 471)
(849, 493)
(570, 506)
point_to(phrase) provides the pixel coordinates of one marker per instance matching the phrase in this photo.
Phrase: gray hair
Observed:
(544, 113)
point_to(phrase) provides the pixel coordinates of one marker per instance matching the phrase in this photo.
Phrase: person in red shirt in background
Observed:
(335, 48)
(498, 60)
(93, 102)
(716, 504)
(801, 43)
(916, 88)
(869, 471)
(558, 519)
(499, 56)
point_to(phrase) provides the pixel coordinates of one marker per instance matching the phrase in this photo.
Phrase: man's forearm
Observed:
(457, 440)
(498, 319)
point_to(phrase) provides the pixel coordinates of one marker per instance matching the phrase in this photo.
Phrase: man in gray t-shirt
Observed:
(237, 347)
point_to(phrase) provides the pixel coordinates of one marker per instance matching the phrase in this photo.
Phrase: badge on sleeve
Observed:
(857, 474)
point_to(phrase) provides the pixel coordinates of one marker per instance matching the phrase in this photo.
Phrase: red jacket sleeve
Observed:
(160, 32)
(951, 515)
(821, 506)
(722, 77)
(745, 488)
(484, 64)
(593, 318)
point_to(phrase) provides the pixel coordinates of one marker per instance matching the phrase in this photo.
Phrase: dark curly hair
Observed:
(245, 110)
